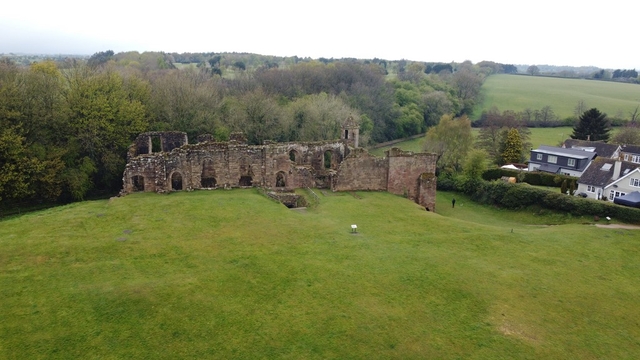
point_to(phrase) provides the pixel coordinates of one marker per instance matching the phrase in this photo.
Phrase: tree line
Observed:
(66, 125)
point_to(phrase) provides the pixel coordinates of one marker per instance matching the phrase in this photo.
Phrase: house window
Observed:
(614, 194)
(626, 157)
(634, 182)
(539, 156)
(552, 159)
(591, 188)
(635, 159)
(571, 162)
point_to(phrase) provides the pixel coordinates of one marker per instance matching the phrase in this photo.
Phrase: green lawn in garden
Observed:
(232, 274)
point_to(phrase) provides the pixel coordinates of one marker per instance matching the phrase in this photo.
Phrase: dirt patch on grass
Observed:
(510, 329)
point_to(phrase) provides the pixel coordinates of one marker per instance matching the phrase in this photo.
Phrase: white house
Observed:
(600, 173)
(627, 183)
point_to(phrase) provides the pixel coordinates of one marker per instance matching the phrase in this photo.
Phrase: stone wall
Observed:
(362, 171)
(279, 166)
(405, 168)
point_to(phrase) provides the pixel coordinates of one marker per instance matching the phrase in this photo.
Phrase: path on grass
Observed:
(619, 226)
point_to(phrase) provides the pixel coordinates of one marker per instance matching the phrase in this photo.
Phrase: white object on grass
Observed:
(354, 228)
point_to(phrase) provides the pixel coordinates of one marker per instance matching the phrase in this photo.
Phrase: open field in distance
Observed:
(518, 92)
(539, 136)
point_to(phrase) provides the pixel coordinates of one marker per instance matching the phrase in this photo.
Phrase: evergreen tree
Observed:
(593, 126)
(512, 152)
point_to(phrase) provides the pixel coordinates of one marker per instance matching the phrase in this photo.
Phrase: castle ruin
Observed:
(165, 161)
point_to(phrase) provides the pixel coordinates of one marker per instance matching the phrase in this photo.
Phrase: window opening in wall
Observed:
(552, 159)
(156, 144)
(246, 181)
(571, 162)
(346, 134)
(176, 181)
(138, 183)
(280, 179)
(293, 155)
(327, 159)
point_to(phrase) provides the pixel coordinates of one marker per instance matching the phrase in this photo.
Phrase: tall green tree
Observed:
(512, 152)
(451, 140)
(104, 117)
(593, 125)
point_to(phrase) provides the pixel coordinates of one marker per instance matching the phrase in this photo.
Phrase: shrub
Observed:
(515, 196)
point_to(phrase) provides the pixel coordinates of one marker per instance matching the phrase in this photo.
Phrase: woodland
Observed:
(66, 124)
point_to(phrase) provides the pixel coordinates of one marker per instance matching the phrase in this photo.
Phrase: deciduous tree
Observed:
(451, 140)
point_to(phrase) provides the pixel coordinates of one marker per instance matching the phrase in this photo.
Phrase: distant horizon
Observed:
(285, 56)
(547, 32)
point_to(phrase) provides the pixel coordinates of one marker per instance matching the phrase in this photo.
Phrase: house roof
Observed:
(600, 148)
(572, 153)
(634, 149)
(600, 171)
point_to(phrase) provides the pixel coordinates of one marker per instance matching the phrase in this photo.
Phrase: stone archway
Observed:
(176, 181)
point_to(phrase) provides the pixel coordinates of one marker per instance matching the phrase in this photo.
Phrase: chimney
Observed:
(616, 170)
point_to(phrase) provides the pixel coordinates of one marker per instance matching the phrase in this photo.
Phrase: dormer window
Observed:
(571, 162)
(552, 159)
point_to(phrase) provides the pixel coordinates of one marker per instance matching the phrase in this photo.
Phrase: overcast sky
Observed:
(517, 32)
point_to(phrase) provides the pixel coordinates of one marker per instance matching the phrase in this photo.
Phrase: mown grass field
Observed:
(539, 136)
(231, 274)
(518, 92)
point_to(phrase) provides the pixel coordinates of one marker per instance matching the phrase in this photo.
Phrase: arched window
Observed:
(328, 157)
(293, 156)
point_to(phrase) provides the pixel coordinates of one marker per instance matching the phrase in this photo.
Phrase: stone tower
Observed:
(350, 132)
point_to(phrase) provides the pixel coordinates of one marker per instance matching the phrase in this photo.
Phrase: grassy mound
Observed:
(231, 274)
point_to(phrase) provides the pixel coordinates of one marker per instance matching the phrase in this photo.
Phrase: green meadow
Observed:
(539, 136)
(518, 92)
(232, 274)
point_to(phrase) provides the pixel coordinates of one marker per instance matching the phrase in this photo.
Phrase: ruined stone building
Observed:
(165, 161)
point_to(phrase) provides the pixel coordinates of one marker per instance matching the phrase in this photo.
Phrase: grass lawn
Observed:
(515, 92)
(232, 274)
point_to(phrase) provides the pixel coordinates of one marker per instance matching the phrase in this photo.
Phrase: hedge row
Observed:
(530, 177)
(517, 196)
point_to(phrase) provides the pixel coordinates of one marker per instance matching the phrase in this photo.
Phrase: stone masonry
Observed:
(164, 161)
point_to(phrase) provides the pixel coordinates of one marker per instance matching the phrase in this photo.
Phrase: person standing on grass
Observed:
(453, 202)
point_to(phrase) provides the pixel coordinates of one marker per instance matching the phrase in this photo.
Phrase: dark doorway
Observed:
(176, 181)
(280, 179)
(138, 183)
(206, 183)
(246, 181)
